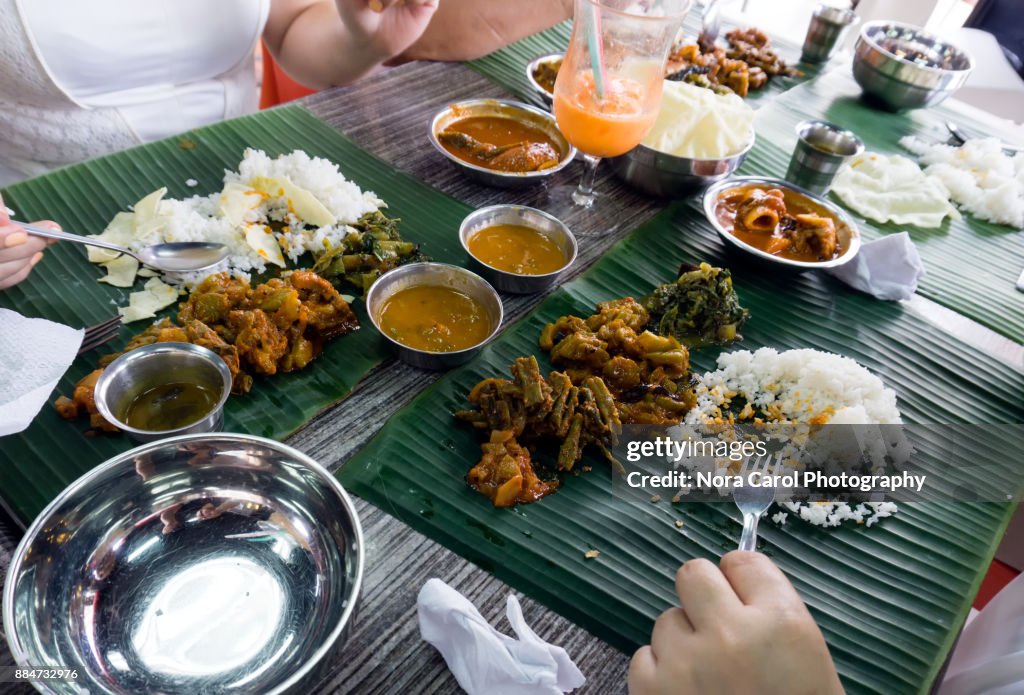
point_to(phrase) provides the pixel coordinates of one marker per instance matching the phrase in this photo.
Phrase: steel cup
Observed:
(825, 32)
(821, 150)
(133, 372)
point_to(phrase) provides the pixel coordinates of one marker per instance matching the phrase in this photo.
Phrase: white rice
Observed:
(796, 387)
(978, 176)
(199, 218)
(799, 385)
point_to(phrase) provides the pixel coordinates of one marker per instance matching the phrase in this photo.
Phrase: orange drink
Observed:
(605, 127)
(608, 90)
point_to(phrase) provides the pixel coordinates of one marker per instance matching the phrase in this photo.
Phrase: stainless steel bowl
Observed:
(143, 368)
(544, 94)
(548, 225)
(530, 115)
(211, 563)
(666, 175)
(711, 196)
(884, 71)
(457, 278)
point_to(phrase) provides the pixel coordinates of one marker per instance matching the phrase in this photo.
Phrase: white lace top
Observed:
(81, 79)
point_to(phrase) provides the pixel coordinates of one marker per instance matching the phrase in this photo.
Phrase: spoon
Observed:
(959, 136)
(175, 257)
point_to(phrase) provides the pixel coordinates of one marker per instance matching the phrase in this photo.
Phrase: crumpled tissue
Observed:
(888, 268)
(483, 660)
(34, 354)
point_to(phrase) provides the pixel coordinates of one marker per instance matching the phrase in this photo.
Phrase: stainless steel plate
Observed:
(711, 196)
(211, 563)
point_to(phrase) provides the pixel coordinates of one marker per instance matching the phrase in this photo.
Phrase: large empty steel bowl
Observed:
(209, 563)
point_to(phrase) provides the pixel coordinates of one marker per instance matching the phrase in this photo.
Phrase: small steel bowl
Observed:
(532, 66)
(548, 225)
(457, 278)
(210, 563)
(538, 118)
(148, 366)
(883, 71)
(711, 197)
(666, 175)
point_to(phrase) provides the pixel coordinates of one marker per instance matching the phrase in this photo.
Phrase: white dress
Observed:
(82, 78)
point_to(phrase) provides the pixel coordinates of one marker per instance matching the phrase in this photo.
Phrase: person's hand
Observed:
(741, 629)
(19, 251)
(386, 27)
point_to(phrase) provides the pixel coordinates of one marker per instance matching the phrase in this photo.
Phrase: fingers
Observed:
(670, 631)
(642, 672)
(17, 274)
(757, 580)
(381, 5)
(5, 219)
(17, 245)
(49, 224)
(705, 593)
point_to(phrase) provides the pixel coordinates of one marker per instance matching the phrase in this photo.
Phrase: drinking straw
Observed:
(596, 48)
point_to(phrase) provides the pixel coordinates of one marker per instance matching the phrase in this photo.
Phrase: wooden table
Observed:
(388, 115)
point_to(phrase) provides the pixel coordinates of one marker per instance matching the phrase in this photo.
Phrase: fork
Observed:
(100, 334)
(752, 501)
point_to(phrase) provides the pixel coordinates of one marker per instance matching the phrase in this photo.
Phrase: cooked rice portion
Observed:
(270, 212)
(800, 387)
(979, 177)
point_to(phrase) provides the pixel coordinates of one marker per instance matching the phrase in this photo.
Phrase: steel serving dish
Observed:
(209, 563)
(548, 225)
(133, 372)
(883, 71)
(452, 276)
(524, 113)
(666, 175)
(711, 196)
(532, 66)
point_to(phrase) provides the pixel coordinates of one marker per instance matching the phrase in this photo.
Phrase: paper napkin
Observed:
(34, 354)
(888, 268)
(483, 660)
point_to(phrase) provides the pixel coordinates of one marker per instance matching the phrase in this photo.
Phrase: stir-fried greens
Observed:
(373, 247)
(700, 308)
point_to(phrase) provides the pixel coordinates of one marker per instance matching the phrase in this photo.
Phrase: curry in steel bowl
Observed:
(781, 221)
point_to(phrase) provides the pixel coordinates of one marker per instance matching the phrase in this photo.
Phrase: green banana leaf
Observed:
(37, 464)
(972, 265)
(889, 599)
(507, 67)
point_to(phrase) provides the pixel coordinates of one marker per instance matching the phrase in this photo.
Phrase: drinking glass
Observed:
(608, 90)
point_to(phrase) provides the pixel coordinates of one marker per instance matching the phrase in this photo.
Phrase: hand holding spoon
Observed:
(175, 257)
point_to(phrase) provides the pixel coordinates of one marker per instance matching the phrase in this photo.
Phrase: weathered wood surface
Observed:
(389, 116)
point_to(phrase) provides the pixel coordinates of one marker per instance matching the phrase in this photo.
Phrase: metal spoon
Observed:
(175, 257)
(959, 136)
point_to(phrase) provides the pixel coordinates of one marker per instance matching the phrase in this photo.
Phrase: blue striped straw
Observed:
(596, 48)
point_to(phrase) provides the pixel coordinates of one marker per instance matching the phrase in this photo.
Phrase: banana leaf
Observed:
(507, 67)
(37, 464)
(971, 265)
(889, 599)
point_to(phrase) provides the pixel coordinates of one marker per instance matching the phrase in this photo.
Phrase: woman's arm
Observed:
(468, 29)
(322, 43)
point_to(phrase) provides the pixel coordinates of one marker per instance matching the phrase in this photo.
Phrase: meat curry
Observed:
(783, 223)
(499, 143)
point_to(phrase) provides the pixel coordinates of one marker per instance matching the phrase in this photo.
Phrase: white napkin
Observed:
(34, 354)
(484, 661)
(888, 268)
